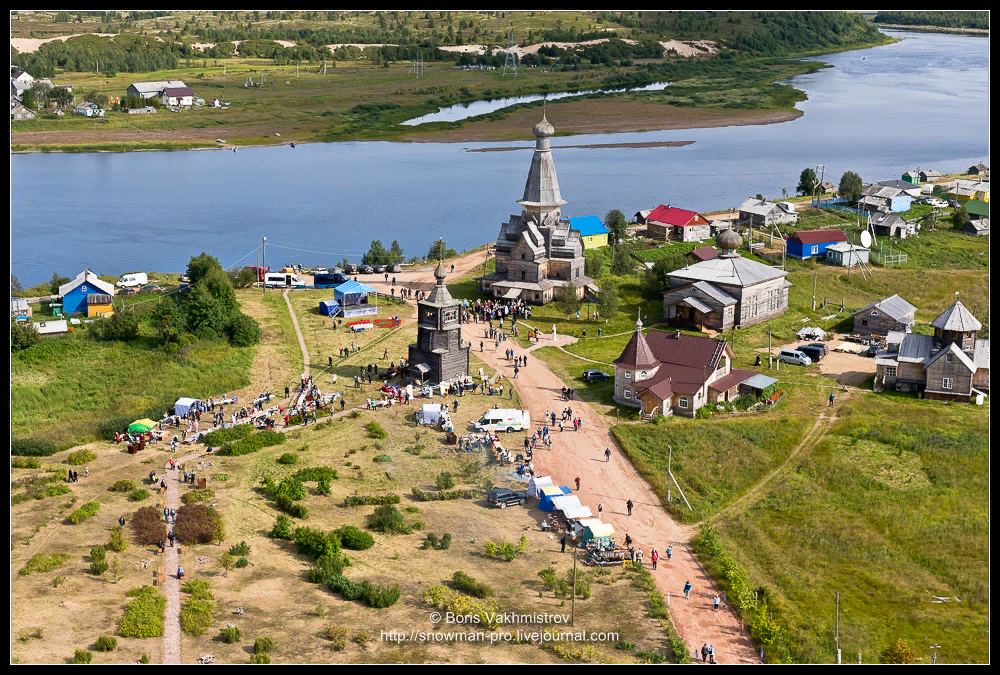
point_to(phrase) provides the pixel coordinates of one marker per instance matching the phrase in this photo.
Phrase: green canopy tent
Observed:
(141, 426)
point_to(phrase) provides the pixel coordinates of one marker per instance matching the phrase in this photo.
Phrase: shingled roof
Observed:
(957, 318)
(818, 236)
(637, 353)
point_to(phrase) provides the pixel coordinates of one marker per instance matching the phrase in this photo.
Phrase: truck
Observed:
(133, 280)
(260, 271)
(508, 420)
(282, 280)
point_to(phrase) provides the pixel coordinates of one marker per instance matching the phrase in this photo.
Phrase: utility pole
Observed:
(572, 612)
(510, 61)
(821, 168)
(263, 250)
(935, 647)
(837, 637)
(814, 286)
(770, 358)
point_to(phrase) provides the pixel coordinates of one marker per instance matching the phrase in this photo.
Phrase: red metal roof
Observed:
(705, 253)
(671, 215)
(637, 354)
(818, 236)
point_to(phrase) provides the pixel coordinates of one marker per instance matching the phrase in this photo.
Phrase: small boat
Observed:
(293, 145)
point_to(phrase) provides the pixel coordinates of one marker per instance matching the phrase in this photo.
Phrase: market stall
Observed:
(536, 484)
(548, 493)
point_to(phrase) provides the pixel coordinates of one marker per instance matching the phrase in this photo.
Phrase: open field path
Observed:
(611, 484)
(171, 561)
(298, 334)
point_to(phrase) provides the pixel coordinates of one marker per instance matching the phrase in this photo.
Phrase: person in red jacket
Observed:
(577, 483)
(654, 556)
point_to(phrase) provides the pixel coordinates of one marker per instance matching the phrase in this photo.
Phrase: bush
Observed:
(491, 549)
(444, 481)
(289, 458)
(263, 645)
(106, 643)
(354, 539)
(243, 331)
(144, 658)
(22, 463)
(223, 436)
(262, 657)
(338, 637)
(84, 512)
(375, 430)
(378, 597)
(422, 496)
(82, 656)
(323, 487)
(43, 562)
(316, 543)
(387, 518)
(316, 473)
(32, 447)
(138, 495)
(446, 541)
(364, 500)
(230, 635)
(196, 614)
(193, 496)
(221, 476)
(381, 458)
(81, 457)
(148, 527)
(463, 582)
(144, 613)
(263, 439)
(241, 563)
(98, 562)
(240, 549)
(196, 524)
(326, 567)
(117, 542)
(282, 528)
(122, 486)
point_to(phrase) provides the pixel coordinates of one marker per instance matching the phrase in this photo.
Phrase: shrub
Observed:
(222, 436)
(81, 457)
(138, 495)
(98, 563)
(446, 541)
(192, 496)
(326, 567)
(378, 597)
(144, 613)
(148, 527)
(315, 543)
(263, 439)
(323, 487)
(117, 542)
(282, 528)
(84, 512)
(262, 657)
(375, 430)
(381, 458)
(446, 495)
(362, 637)
(221, 476)
(445, 481)
(241, 563)
(122, 486)
(240, 549)
(387, 518)
(548, 576)
(25, 463)
(624, 646)
(364, 500)
(106, 643)
(289, 458)
(316, 473)
(243, 331)
(43, 562)
(431, 541)
(355, 539)
(337, 636)
(144, 658)
(651, 656)
(82, 656)
(263, 645)
(32, 447)
(196, 524)
(230, 635)
(464, 582)
(491, 549)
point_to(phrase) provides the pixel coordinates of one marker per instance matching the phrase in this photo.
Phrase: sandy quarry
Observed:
(685, 48)
(28, 45)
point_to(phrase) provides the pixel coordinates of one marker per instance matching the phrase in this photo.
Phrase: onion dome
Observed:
(439, 273)
(543, 128)
(728, 241)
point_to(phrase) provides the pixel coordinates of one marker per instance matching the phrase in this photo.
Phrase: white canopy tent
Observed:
(571, 507)
(184, 405)
(430, 413)
(536, 484)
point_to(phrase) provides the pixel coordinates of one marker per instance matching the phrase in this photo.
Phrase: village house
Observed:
(592, 231)
(152, 89)
(892, 225)
(929, 176)
(885, 316)
(964, 190)
(671, 223)
(704, 253)
(87, 294)
(725, 291)
(827, 188)
(18, 112)
(763, 212)
(951, 365)
(145, 110)
(978, 170)
(669, 373)
(877, 197)
(88, 109)
(177, 96)
(813, 243)
(640, 216)
(978, 227)
(845, 254)
(539, 256)
(912, 190)
(911, 177)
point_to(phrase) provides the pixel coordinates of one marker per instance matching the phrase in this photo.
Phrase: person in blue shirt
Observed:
(687, 589)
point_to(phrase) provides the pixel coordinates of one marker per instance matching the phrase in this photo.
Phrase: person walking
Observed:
(563, 542)
(653, 557)
(628, 540)
(121, 521)
(171, 538)
(516, 371)
(600, 510)
(86, 471)
(715, 603)
(670, 551)
(687, 590)
(577, 483)
(607, 455)
(628, 505)
(831, 400)
(711, 653)
(704, 652)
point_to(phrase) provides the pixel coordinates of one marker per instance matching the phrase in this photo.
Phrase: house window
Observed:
(874, 312)
(628, 393)
(628, 374)
(682, 402)
(864, 322)
(890, 371)
(522, 275)
(814, 250)
(946, 383)
(947, 358)
(642, 375)
(523, 257)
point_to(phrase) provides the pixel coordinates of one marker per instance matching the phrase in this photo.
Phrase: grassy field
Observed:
(889, 509)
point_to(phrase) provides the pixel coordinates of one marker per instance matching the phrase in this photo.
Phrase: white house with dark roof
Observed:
(152, 89)
(177, 96)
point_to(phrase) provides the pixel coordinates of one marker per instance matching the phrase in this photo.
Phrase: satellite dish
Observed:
(866, 239)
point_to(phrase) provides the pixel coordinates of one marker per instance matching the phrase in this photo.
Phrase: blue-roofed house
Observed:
(592, 231)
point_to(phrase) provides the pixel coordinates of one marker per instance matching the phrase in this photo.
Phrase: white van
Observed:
(794, 356)
(504, 420)
(131, 280)
(283, 280)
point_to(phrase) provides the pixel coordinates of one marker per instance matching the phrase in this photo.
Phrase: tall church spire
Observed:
(541, 189)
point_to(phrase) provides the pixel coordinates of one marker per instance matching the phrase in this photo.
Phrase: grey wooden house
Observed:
(884, 316)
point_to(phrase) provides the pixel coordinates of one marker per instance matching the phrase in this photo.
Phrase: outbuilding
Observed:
(813, 243)
(764, 212)
(77, 295)
(881, 317)
(846, 254)
(672, 223)
(592, 231)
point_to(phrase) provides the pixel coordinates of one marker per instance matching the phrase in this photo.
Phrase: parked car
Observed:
(184, 278)
(152, 288)
(794, 356)
(953, 203)
(940, 203)
(378, 269)
(365, 269)
(394, 268)
(127, 291)
(921, 200)
(872, 352)
(504, 497)
(591, 375)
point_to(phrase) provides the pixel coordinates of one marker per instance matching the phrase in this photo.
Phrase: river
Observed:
(922, 102)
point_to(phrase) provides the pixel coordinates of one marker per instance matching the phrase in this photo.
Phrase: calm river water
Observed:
(921, 102)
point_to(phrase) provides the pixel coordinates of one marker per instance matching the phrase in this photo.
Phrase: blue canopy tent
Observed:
(353, 298)
(329, 307)
(548, 494)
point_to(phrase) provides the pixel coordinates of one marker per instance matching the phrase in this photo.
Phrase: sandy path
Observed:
(298, 334)
(612, 484)
(171, 561)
